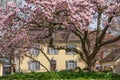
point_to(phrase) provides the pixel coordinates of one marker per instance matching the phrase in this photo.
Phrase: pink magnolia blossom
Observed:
(11, 4)
(43, 14)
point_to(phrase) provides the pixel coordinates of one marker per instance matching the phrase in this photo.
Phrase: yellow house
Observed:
(1, 68)
(61, 59)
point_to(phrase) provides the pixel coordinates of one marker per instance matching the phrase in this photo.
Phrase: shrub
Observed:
(64, 74)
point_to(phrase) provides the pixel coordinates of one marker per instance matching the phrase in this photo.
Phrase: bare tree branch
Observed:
(98, 27)
(83, 43)
(110, 41)
(43, 54)
(105, 29)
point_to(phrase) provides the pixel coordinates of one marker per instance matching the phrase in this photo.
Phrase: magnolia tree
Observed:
(74, 16)
(15, 36)
(14, 40)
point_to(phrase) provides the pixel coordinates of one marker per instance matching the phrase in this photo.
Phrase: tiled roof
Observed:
(112, 56)
(58, 36)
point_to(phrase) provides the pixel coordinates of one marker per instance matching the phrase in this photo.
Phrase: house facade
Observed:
(61, 59)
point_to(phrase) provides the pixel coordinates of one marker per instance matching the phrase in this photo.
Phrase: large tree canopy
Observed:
(48, 16)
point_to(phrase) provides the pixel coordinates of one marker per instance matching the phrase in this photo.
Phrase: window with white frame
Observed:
(70, 46)
(34, 65)
(71, 64)
(52, 51)
(35, 50)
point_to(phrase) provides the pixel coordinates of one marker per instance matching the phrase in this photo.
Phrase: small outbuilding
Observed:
(112, 61)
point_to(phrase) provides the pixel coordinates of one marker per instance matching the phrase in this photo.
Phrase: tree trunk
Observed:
(52, 67)
(11, 65)
(19, 65)
(90, 65)
(11, 59)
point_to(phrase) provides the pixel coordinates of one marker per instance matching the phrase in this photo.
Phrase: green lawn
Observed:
(63, 75)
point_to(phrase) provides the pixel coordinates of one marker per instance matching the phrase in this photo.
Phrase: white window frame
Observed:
(71, 64)
(34, 65)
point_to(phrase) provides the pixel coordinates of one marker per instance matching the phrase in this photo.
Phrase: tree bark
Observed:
(11, 63)
(90, 65)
